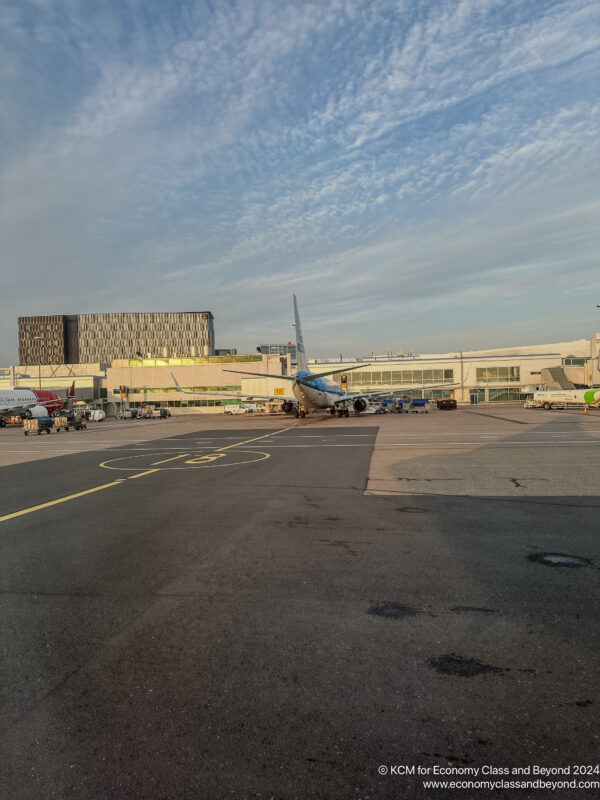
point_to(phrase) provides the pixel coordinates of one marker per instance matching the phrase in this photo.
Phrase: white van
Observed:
(240, 409)
(97, 415)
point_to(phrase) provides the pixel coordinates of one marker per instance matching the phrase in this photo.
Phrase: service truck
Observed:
(564, 398)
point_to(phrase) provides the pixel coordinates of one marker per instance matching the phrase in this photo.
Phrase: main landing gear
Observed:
(343, 412)
(299, 413)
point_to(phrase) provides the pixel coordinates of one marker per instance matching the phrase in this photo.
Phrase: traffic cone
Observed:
(585, 410)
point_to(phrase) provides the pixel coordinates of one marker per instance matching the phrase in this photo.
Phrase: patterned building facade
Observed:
(73, 339)
(42, 340)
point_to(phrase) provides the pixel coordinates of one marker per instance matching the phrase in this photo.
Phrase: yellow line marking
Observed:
(60, 500)
(116, 483)
(239, 444)
(141, 474)
(173, 458)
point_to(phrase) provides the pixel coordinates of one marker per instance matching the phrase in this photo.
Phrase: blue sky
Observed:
(423, 175)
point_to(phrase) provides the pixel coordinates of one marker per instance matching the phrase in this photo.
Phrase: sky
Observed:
(423, 175)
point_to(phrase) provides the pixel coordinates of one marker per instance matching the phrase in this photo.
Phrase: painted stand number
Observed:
(206, 459)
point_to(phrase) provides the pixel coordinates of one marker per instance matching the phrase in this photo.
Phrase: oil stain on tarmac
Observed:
(391, 610)
(458, 666)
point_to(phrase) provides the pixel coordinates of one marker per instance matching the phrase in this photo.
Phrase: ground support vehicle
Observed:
(548, 405)
(37, 425)
(61, 424)
(76, 421)
(447, 404)
(239, 410)
(10, 421)
(565, 398)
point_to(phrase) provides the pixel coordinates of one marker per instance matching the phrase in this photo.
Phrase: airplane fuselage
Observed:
(318, 393)
(18, 401)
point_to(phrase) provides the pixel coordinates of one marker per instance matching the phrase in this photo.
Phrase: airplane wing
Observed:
(394, 389)
(316, 375)
(260, 374)
(14, 411)
(240, 395)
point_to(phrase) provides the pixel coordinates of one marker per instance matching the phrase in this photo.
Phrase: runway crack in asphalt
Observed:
(487, 498)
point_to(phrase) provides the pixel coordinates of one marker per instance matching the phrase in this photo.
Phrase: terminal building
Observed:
(89, 338)
(476, 376)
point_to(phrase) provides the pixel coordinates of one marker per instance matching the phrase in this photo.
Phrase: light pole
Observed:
(41, 339)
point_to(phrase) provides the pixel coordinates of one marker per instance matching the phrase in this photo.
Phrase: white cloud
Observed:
(265, 146)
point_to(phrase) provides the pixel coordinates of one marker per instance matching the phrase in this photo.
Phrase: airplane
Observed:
(31, 403)
(311, 391)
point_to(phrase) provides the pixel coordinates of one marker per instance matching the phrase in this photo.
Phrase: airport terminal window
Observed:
(168, 389)
(363, 378)
(438, 394)
(184, 403)
(505, 394)
(574, 362)
(193, 361)
(498, 374)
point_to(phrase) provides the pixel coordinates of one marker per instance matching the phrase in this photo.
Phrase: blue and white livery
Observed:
(311, 391)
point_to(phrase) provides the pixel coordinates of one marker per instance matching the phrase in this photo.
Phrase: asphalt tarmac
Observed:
(293, 610)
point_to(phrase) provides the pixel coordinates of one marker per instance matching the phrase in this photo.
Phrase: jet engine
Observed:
(360, 404)
(37, 411)
(287, 406)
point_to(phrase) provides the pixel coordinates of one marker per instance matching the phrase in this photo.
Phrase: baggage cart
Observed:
(37, 425)
(61, 424)
(419, 404)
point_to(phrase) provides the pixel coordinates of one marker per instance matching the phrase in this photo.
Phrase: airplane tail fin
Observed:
(71, 395)
(302, 362)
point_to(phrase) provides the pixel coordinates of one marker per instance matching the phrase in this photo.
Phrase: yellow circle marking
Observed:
(197, 462)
